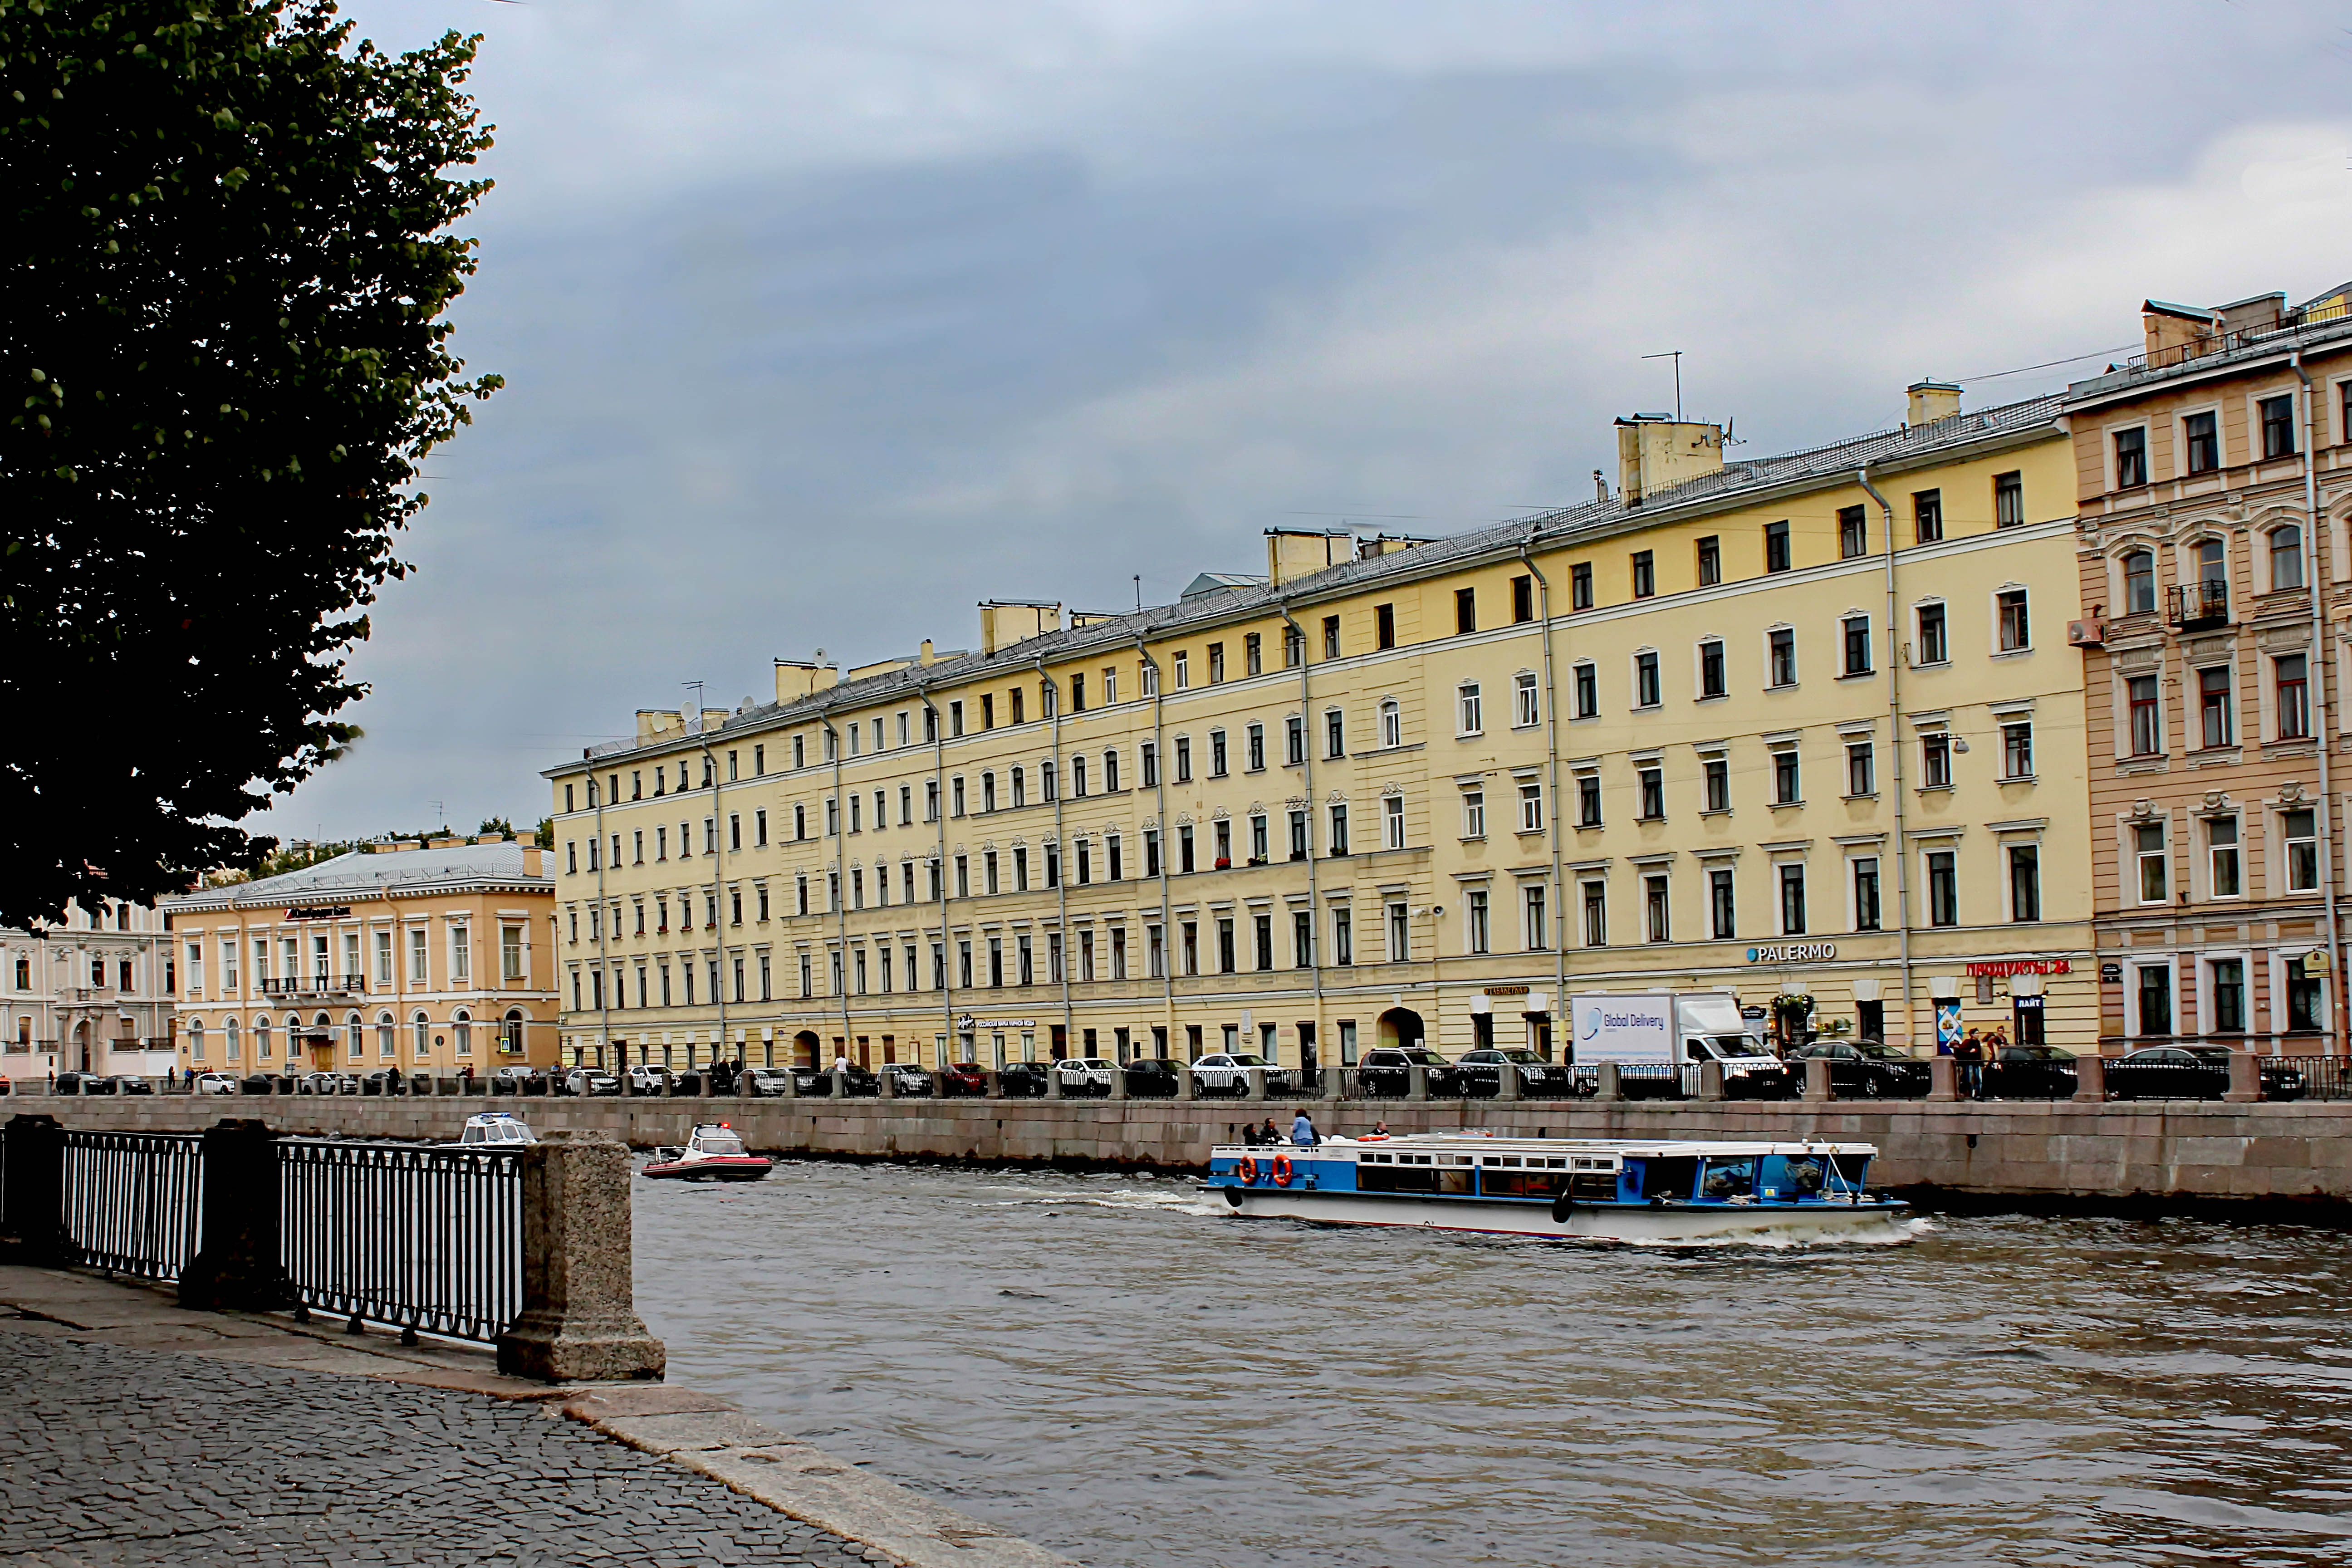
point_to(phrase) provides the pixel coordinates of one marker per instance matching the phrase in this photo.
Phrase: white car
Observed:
(1229, 1072)
(644, 1080)
(213, 1083)
(591, 1080)
(1079, 1076)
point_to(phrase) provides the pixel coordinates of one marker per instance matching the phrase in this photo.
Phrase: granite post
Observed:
(1817, 1078)
(35, 1219)
(579, 1320)
(239, 1267)
(1943, 1077)
(2091, 1077)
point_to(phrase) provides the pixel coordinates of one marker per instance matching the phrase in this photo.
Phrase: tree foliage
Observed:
(225, 354)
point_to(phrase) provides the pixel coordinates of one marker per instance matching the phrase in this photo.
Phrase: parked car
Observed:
(963, 1080)
(75, 1083)
(767, 1082)
(320, 1083)
(260, 1083)
(591, 1082)
(129, 1083)
(1228, 1073)
(859, 1082)
(5, 1087)
(1024, 1080)
(1077, 1078)
(811, 1082)
(1388, 1069)
(1151, 1076)
(1868, 1070)
(647, 1079)
(908, 1078)
(383, 1082)
(2029, 1072)
(212, 1083)
(1481, 1071)
(2194, 1072)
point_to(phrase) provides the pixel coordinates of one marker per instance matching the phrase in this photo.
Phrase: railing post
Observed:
(885, 1083)
(239, 1264)
(579, 1321)
(1608, 1082)
(35, 1183)
(2245, 1078)
(1185, 1088)
(1416, 1082)
(1117, 1080)
(1506, 1082)
(840, 1084)
(1253, 1083)
(1710, 1080)
(2091, 1077)
(1335, 1084)
(1817, 1078)
(1943, 1077)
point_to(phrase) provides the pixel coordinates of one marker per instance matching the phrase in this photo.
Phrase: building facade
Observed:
(2213, 473)
(1803, 727)
(432, 958)
(92, 993)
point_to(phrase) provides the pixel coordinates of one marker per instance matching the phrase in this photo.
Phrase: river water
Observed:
(1111, 1366)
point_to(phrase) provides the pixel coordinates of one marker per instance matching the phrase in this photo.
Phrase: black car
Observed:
(1024, 1080)
(1388, 1071)
(262, 1083)
(2029, 1072)
(1481, 1072)
(129, 1083)
(811, 1082)
(2194, 1072)
(1152, 1078)
(1866, 1070)
(78, 1083)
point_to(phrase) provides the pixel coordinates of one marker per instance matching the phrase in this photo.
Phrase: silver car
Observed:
(591, 1080)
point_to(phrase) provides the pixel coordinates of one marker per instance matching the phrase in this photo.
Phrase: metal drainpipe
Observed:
(2318, 676)
(1895, 749)
(603, 1002)
(1051, 695)
(841, 878)
(1551, 787)
(718, 885)
(1314, 896)
(1159, 789)
(940, 860)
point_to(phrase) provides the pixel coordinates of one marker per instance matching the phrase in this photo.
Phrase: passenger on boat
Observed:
(1269, 1134)
(1302, 1130)
(1379, 1129)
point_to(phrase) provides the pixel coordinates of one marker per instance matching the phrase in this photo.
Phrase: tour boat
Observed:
(713, 1153)
(1645, 1194)
(494, 1130)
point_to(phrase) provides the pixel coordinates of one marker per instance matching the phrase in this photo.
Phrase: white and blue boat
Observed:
(1644, 1194)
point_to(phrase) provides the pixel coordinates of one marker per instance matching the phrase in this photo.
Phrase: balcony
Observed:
(316, 985)
(2198, 607)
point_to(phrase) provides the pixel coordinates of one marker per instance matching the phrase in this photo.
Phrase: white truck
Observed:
(1657, 1040)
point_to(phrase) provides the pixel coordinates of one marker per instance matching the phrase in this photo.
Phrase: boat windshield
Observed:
(718, 1142)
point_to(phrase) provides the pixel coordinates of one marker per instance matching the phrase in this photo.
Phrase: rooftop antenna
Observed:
(438, 810)
(1675, 355)
(1139, 590)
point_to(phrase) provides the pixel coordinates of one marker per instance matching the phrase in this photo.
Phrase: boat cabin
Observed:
(1542, 1171)
(493, 1129)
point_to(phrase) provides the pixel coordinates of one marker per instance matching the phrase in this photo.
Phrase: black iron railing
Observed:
(2198, 604)
(2323, 1077)
(134, 1200)
(426, 1240)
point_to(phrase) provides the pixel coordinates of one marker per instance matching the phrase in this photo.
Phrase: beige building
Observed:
(92, 993)
(432, 958)
(1707, 731)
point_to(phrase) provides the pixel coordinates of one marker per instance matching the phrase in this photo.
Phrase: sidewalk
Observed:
(136, 1433)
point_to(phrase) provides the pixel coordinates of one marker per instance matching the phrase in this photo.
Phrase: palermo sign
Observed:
(1793, 952)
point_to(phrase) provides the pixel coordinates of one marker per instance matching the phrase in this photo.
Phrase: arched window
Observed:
(510, 1036)
(462, 1026)
(234, 1048)
(355, 1035)
(2139, 581)
(2286, 558)
(1391, 723)
(261, 1040)
(424, 1036)
(2212, 566)
(387, 1037)
(196, 1039)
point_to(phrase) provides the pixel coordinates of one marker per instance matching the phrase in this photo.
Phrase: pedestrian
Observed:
(1302, 1130)
(840, 1060)
(1971, 1053)
(392, 1079)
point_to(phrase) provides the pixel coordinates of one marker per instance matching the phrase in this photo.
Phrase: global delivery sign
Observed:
(1627, 1030)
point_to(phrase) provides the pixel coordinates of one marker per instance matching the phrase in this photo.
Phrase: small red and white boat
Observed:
(714, 1153)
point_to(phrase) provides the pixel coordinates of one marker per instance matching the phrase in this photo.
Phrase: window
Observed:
(1710, 562)
(1343, 935)
(2146, 717)
(2226, 989)
(2299, 838)
(1587, 680)
(1596, 913)
(2024, 882)
(2293, 704)
(2222, 881)
(2131, 458)
(1184, 659)
(2213, 706)
(1472, 710)
(1474, 814)
(1334, 734)
(1400, 932)
(2154, 998)
(1526, 707)
(1783, 648)
(1936, 761)
(2139, 581)
(2149, 855)
(1532, 902)
(1717, 774)
(1331, 637)
(2302, 1007)
(2286, 558)
(2016, 630)
(1645, 574)
(1645, 680)
(1383, 625)
(2200, 440)
(2009, 500)
(1477, 919)
(1943, 888)
(1184, 759)
(1294, 740)
(417, 953)
(1254, 748)
(1294, 652)
(2213, 575)
(1792, 901)
(1580, 585)
(1928, 516)
(1653, 782)
(1531, 818)
(1776, 547)
(1656, 912)
(1299, 847)
(1523, 599)
(1856, 630)
(2278, 426)
(1339, 830)
(1711, 682)
(1216, 664)
(1253, 653)
(1465, 610)
(1786, 782)
(1723, 913)
(2017, 749)
(1391, 724)
(1861, 768)
(1853, 536)
(1866, 893)
(1588, 800)
(1392, 821)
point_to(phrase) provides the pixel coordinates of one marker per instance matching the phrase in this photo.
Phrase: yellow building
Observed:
(1703, 732)
(432, 958)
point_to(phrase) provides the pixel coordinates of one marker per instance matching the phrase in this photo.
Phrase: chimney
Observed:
(1931, 401)
(1004, 622)
(2171, 333)
(533, 860)
(1656, 452)
(1295, 552)
(796, 679)
(446, 844)
(929, 656)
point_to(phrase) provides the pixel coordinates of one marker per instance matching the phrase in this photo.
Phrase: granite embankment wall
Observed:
(2064, 1149)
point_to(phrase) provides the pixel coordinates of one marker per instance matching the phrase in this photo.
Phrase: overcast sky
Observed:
(822, 323)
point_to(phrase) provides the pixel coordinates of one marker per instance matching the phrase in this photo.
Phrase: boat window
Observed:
(1733, 1178)
(1520, 1183)
(1561, 1165)
(721, 1143)
(1668, 1176)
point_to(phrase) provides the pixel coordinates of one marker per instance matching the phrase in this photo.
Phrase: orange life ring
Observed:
(1249, 1169)
(1282, 1169)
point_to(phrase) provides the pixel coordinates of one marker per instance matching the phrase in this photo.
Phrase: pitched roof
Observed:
(367, 875)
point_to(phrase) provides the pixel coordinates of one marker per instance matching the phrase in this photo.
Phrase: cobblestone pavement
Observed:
(117, 1456)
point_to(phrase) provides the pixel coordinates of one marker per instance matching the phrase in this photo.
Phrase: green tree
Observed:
(226, 353)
